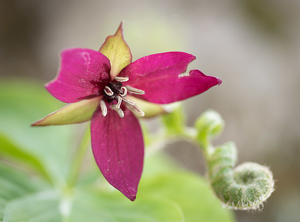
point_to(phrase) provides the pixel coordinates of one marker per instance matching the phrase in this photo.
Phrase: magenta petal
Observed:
(118, 149)
(159, 76)
(174, 88)
(83, 74)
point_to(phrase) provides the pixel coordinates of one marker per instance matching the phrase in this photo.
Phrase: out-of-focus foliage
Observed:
(35, 164)
(49, 149)
(14, 185)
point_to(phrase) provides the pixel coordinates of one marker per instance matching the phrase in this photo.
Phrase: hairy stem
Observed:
(242, 188)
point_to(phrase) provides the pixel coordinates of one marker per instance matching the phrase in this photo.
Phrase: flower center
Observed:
(115, 93)
(113, 90)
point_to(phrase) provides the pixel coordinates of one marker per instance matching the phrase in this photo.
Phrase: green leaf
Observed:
(112, 206)
(21, 104)
(90, 206)
(25, 199)
(191, 192)
(14, 185)
(166, 197)
(12, 152)
(38, 207)
(175, 120)
(158, 163)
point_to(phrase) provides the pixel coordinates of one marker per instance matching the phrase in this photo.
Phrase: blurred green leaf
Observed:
(38, 207)
(24, 199)
(175, 120)
(10, 151)
(187, 195)
(22, 103)
(89, 206)
(164, 195)
(15, 184)
(158, 163)
(191, 192)
(104, 206)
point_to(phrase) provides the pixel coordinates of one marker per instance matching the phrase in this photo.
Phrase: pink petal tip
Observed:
(132, 198)
(219, 81)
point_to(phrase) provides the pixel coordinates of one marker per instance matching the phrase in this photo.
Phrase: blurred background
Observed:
(252, 45)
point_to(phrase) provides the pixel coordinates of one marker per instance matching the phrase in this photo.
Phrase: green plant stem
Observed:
(242, 188)
(78, 158)
(162, 138)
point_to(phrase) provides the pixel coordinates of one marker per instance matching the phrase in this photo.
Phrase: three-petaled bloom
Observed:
(105, 87)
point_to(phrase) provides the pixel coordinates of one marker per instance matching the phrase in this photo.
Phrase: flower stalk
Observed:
(79, 157)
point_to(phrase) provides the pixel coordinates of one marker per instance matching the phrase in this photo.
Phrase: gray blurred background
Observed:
(252, 45)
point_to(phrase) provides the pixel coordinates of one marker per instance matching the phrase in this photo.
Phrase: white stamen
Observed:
(136, 109)
(108, 91)
(135, 91)
(119, 102)
(121, 79)
(124, 91)
(128, 101)
(119, 111)
(103, 108)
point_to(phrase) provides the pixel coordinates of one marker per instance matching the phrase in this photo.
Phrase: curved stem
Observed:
(162, 138)
(241, 188)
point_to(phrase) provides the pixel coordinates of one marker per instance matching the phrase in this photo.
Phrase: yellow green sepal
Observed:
(73, 113)
(117, 51)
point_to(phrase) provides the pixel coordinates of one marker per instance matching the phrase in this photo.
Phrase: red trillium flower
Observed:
(105, 87)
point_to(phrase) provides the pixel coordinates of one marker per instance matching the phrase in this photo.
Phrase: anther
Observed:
(128, 101)
(108, 91)
(135, 90)
(103, 108)
(119, 111)
(119, 102)
(121, 79)
(136, 109)
(124, 91)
